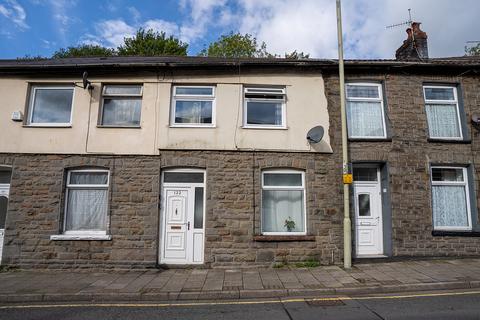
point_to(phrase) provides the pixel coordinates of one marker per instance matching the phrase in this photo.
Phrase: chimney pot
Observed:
(415, 47)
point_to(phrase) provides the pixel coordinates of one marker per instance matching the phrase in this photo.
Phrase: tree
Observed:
(152, 43)
(84, 50)
(236, 45)
(297, 55)
(473, 51)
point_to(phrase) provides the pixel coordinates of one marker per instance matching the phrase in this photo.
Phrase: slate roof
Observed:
(139, 62)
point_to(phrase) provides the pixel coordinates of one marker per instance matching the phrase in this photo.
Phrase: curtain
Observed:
(442, 120)
(365, 119)
(449, 206)
(88, 177)
(193, 111)
(281, 205)
(121, 111)
(86, 209)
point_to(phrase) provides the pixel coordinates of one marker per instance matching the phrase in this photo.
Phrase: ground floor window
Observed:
(450, 199)
(283, 202)
(86, 201)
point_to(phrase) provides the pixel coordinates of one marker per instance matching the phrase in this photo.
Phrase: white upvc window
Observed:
(283, 202)
(450, 199)
(264, 108)
(50, 105)
(443, 116)
(121, 105)
(193, 106)
(365, 111)
(86, 202)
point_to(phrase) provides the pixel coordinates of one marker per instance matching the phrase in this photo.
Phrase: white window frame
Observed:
(31, 103)
(265, 90)
(69, 186)
(188, 97)
(450, 102)
(379, 99)
(119, 95)
(453, 183)
(287, 188)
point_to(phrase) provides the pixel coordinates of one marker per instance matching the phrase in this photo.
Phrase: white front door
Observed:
(368, 214)
(4, 190)
(182, 222)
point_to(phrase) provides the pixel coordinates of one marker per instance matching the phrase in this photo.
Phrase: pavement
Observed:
(231, 284)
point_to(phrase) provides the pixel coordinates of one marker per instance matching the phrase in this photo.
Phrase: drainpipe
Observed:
(347, 175)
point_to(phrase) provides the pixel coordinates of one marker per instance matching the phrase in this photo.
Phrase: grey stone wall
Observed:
(233, 204)
(409, 155)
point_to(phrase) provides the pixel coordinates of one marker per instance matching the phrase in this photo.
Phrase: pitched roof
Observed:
(145, 63)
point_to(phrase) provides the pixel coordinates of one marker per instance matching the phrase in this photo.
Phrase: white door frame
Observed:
(195, 237)
(371, 226)
(5, 192)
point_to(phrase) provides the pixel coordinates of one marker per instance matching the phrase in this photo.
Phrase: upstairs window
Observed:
(365, 111)
(450, 199)
(443, 116)
(86, 202)
(50, 105)
(193, 106)
(121, 106)
(264, 108)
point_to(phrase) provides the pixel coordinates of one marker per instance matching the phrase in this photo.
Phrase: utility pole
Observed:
(347, 174)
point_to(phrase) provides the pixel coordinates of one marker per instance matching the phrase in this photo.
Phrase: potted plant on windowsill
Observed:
(289, 224)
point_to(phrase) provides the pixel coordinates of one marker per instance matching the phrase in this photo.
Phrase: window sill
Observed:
(442, 233)
(273, 238)
(193, 126)
(370, 139)
(466, 141)
(47, 126)
(118, 127)
(264, 128)
(60, 237)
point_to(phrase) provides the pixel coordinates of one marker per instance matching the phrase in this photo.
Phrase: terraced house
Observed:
(205, 161)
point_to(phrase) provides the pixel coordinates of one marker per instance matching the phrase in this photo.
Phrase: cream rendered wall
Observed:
(306, 107)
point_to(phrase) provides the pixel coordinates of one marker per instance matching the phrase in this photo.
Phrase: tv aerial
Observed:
(405, 23)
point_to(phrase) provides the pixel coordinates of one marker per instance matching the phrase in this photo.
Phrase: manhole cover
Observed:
(325, 303)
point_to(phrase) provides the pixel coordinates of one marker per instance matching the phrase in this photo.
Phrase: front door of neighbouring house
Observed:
(182, 217)
(4, 191)
(368, 212)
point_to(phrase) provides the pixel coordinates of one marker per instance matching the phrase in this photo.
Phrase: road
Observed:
(436, 305)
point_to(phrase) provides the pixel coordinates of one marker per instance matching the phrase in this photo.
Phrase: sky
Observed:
(40, 27)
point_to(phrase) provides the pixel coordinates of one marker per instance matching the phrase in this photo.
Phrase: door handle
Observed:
(188, 225)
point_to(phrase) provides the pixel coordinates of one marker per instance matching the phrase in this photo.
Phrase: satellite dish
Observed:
(86, 83)
(315, 134)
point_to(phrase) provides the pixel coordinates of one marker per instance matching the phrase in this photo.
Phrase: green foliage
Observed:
(297, 55)
(84, 50)
(236, 45)
(473, 51)
(307, 264)
(289, 224)
(152, 43)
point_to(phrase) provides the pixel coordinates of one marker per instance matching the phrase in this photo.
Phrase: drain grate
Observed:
(325, 303)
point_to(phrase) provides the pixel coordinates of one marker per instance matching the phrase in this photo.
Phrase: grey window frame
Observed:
(120, 96)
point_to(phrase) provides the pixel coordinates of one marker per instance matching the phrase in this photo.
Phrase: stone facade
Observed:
(232, 209)
(409, 154)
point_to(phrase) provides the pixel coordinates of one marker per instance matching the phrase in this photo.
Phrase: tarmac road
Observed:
(433, 305)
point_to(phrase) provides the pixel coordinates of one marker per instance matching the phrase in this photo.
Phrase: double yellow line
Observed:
(238, 302)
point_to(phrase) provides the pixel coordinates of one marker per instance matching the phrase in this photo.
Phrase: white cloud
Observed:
(112, 32)
(201, 15)
(14, 11)
(310, 25)
(134, 13)
(159, 25)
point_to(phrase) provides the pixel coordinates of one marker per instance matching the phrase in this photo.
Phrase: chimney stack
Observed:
(415, 47)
